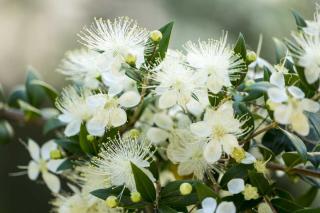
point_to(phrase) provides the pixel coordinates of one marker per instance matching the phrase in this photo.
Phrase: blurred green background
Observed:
(38, 32)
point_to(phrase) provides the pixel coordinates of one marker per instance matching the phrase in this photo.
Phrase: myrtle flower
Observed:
(74, 108)
(289, 104)
(77, 202)
(307, 54)
(161, 133)
(84, 66)
(116, 157)
(121, 39)
(216, 60)
(109, 111)
(313, 26)
(221, 129)
(186, 150)
(209, 205)
(177, 84)
(41, 163)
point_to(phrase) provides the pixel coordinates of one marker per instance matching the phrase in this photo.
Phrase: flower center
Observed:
(218, 132)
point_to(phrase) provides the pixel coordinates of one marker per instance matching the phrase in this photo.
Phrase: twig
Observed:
(17, 116)
(301, 171)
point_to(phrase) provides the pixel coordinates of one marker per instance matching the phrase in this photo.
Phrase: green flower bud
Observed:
(156, 35)
(90, 138)
(185, 188)
(251, 56)
(134, 133)
(135, 197)
(112, 201)
(55, 154)
(131, 59)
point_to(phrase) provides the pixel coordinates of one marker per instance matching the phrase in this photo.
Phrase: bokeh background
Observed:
(39, 32)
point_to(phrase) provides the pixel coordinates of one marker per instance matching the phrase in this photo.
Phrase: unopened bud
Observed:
(131, 59)
(251, 56)
(260, 166)
(156, 35)
(112, 201)
(90, 138)
(185, 188)
(135, 197)
(238, 154)
(134, 133)
(55, 154)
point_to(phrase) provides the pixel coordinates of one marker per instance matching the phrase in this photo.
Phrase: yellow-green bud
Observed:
(260, 166)
(185, 188)
(55, 154)
(135, 197)
(156, 35)
(134, 133)
(112, 201)
(131, 59)
(90, 138)
(238, 154)
(251, 56)
(250, 192)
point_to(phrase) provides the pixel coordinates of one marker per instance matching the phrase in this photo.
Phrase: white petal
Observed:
(282, 114)
(167, 99)
(66, 118)
(163, 120)
(47, 148)
(300, 124)
(311, 75)
(209, 204)
(310, 105)
(200, 129)
(214, 84)
(249, 159)
(96, 101)
(235, 185)
(296, 92)
(33, 170)
(156, 135)
(229, 142)
(52, 181)
(118, 117)
(34, 150)
(72, 128)
(195, 107)
(226, 207)
(277, 79)
(129, 99)
(96, 126)
(277, 95)
(212, 151)
(53, 165)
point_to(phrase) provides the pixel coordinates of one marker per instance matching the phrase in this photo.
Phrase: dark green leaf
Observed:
(204, 191)
(166, 209)
(51, 92)
(277, 141)
(35, 93)
(164, 42)
(261, 86)
(68, 145)
(85, 145)
(215, 99)
(67, 164)
(258, 180)
(298, 144)
(154, 169)
(281, 50)
(236, 171)
(308, 210)
(283, 194)
(307, 198)
(300, 22)
(240, 49)
(51, 124)
(285, 206)
(6, 132)
(133, 73)
(17, 94)
(115, 191)
(291, 159)
(143, 183)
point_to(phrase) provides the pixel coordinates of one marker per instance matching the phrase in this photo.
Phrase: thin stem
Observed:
(17, 116)
(266, 128)
(316, 97)
(300, 171)
(266, 199)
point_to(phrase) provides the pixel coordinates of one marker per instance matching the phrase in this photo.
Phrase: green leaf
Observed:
(2, 97)
(291, 159)
(67, 164)
(6, 132)
(166, 209)
(133, 73)
(35, 93)
(17, 94)
(143, 184)
(204, 191)
(300, 22)
(29, 110)
(308, 210)
(298, 144)
(105, 193)
(154, 169)
(261, 86)
(51, 124)
(50, 90)
(258, 180)
(281, 50)
(284, 205)
(240, 49)
(85, 145)
(307, 198)
(69, 145)
(283, 194)
(277, 141)
(215, 99)
(236, 171)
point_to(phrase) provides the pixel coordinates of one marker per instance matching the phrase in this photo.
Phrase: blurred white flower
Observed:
(235, 185)
(177, 83)
(109, 111)
(221, 129)
(313, 26)
(74, 108)
(289, 104)
(84, 66)
(116, 157)
(306, 51)
(42, 164)
(216, 60)
(209, 205)
(186, 150)
(117, 39)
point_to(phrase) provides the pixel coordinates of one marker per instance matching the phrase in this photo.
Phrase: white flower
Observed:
(118, 82)
(216, 60)
(221, 129)
(79, 202)
(84, 66)
(109, 111)
(41, 163)
(313, 26)
(209, 205)
(236, 186)
(161, 133)
(117, 39)
(186, 150)
(177, 83)
(289, 104)
(74, 108)
(308, 55)
(116, 157)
